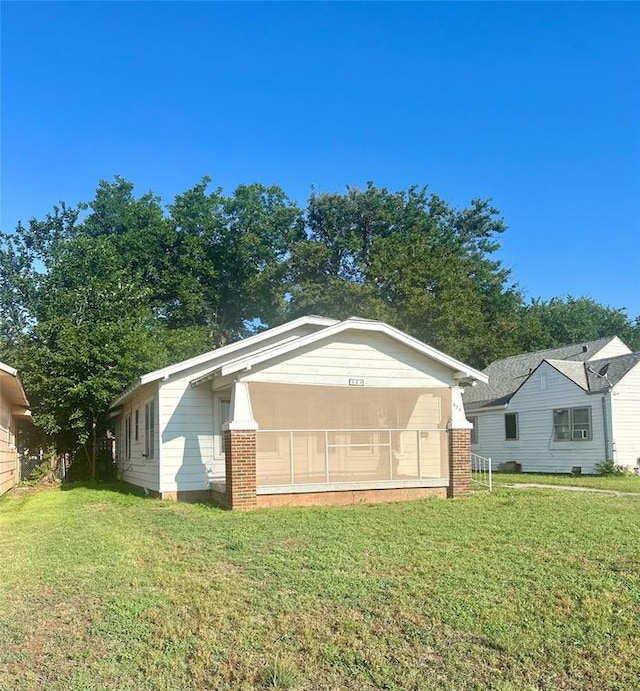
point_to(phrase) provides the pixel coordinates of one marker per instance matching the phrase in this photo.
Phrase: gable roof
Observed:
(278, 333)
(281, 340)
(571, 369)
(254, 357)
(617, 368)
(507, 375)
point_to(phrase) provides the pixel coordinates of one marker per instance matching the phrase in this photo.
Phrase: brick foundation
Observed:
(240, 469)
(459, 463)
(195, 495)
(361, 496)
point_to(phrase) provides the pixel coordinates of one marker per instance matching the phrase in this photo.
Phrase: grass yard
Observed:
(617, 483)
(519, 590)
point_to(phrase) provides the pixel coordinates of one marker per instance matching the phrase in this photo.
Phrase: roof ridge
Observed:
(633, 354)
(549, 350)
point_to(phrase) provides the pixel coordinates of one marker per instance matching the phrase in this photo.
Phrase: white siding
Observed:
(535, 447)
(626, 418)
(613, 348)
(138, 470)
(189, 418)
(187, 436)
(375, 358)
(8, 453)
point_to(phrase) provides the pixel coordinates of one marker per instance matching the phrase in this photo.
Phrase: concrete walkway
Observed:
(569, 488)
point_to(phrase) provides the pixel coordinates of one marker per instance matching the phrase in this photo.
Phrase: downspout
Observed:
(614, 453)
(605, 427)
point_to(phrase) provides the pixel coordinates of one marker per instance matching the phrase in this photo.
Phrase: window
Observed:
(136, 425)
(221, 414)
(127, 436)
(225, 410)
(149, 428)
(511, 426)
(473, 419)
(572, 424)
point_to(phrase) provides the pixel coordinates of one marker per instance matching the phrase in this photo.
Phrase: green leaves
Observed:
(91, 297)
(408, 258)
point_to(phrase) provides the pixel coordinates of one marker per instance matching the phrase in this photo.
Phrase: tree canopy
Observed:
(95, 295)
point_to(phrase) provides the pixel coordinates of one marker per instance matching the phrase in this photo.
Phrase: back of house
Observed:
(560, 410)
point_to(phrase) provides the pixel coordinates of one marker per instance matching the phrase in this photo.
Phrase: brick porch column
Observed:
(240, 451)
(459, 463)
(459, 448)
(240, 468)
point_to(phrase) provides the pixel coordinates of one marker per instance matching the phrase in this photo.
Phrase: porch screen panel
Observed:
(434, 452)
(316, 434)
(308, 457)
(274, 466)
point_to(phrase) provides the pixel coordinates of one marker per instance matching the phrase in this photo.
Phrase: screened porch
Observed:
(312, 438)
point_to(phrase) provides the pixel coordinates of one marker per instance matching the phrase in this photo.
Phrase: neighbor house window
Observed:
(511, 426)
(473, 419)
(149, 428)
(136, 424)
(572, 424)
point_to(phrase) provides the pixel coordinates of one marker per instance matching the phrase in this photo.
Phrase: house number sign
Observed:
(356, 382)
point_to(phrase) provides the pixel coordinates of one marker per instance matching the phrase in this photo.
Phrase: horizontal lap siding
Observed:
(187, 415)
(8, 455)
(535, 448)
(8, 468)
(615, 347)
(138, 470)
(377, 359)
(626, 418)
(186, 431)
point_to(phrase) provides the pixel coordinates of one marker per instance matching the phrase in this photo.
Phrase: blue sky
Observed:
(535, 105)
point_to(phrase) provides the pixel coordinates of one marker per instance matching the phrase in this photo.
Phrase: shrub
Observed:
(41, 473)
(610, 468)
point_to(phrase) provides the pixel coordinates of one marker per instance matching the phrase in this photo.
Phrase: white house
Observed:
(313, 411)
(560, 410)
(14, 406)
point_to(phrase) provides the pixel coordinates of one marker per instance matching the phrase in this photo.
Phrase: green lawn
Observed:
(618, 483)
(517, 590)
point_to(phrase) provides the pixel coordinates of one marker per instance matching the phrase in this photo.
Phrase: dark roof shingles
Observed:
(506, 376)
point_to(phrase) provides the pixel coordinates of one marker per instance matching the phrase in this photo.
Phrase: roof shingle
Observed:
(507, 375)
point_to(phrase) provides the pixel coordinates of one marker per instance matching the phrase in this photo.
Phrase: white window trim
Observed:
(218, 436)
(571, 438)
(127, 436)
(517, 418)
(150, 442)
(473, 419)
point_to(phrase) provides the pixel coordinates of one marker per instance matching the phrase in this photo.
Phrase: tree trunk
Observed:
(93, 451)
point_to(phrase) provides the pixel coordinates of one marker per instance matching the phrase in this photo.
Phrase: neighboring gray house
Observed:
(560, 409)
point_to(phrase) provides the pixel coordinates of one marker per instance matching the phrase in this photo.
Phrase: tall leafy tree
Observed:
(411, 259)
(25, 257)
(231, 257)
(91, 297)
(93, 333)
(564, 320)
